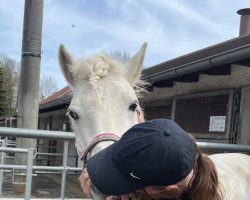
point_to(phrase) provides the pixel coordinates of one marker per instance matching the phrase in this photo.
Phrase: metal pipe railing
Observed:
(16, 132)
(64, 172)
(224, 147)
(29, 168)
(47, 147)
(28, 182)
(68, 136)
(13, 150)
(38, 134)
(29, 174)
(40, 168)
(1, 170)
(49, 154)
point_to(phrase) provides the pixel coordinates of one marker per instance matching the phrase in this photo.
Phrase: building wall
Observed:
(9, 122)
(2, 123)
(56, 121)
(239, 79)
(157, 109)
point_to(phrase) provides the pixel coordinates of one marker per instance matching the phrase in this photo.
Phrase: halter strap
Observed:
(99, 138)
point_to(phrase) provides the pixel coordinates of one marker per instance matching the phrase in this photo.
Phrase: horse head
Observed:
(104, 95)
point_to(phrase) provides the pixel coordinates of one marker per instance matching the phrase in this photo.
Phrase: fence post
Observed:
(29, 174)
(1, 170)
(64, 172)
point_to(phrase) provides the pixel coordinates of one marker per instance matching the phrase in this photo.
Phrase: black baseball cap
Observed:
(156, 152)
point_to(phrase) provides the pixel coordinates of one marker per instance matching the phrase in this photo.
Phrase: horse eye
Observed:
(72, 114)
(133, 106)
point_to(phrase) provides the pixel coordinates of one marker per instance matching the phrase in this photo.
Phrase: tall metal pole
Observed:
(28, 91)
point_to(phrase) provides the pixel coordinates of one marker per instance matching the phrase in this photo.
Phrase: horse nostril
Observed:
(72, 114)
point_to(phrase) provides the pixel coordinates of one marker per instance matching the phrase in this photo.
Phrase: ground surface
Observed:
(45, 186)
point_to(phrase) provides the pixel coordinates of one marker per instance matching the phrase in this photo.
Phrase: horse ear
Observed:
(66, 62)
(134, 66)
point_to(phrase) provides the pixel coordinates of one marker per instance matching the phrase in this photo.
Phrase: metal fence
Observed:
(66, 136)
(31, 154)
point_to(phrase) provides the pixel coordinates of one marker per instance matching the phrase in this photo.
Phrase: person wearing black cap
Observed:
(156, 159)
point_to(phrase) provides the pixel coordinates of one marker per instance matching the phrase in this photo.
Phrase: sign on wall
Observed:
(217, 123)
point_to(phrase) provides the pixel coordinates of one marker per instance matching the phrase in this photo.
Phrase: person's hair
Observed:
(204, 184)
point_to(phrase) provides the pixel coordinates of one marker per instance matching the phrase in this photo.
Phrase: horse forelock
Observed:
(96, 68)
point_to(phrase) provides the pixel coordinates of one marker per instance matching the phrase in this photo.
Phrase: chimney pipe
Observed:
(244, 21)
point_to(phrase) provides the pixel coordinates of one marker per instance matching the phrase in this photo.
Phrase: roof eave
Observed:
(233, 55)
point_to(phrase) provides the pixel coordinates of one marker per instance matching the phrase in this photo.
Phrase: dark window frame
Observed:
(208, 135)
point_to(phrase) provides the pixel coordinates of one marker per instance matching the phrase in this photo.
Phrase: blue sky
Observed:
(171, 27)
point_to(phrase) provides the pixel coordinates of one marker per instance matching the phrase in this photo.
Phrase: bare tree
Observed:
(2, 94)
(118, 55)
(48, 86)
(121, 56)
(10, 70)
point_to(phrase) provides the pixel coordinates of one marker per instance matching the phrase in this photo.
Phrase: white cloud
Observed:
(171, 28)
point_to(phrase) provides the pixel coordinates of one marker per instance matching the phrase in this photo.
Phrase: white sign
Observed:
(217, 123)
(64, 128)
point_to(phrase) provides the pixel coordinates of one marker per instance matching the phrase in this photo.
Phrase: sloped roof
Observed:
(58, 100)
(59, 94)
(212, 60)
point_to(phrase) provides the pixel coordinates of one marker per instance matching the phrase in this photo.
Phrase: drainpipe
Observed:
(244, 21)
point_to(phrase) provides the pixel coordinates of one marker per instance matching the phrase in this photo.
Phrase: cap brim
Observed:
(106, 177)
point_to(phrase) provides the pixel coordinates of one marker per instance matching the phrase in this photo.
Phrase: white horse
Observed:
(105, 103)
